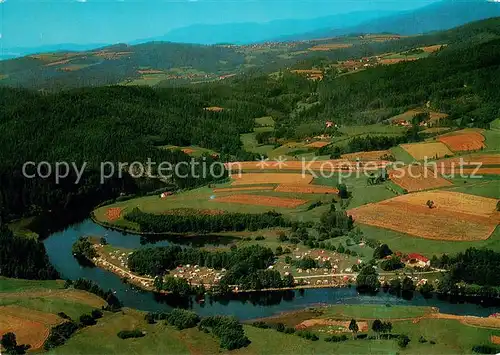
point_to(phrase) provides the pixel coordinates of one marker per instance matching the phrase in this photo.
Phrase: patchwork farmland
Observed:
(464, 140)
(417, 178)
(451, 216)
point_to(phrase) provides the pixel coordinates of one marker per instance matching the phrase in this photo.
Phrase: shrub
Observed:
(182, 319)
(126, 334)
(307, 335)
(289, 330)
(227, 329)
(96, 314)
(485, 349)
(403, 341)
(59, 334)
(64, 315)
(261, 325)
(87, 319)
(280, 327)
(337, 338)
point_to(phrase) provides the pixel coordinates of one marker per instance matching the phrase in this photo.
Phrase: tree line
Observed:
(149, 222)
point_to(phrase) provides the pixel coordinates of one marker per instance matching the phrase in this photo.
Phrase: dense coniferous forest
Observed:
(23, 257)
(157, 261)
(246, 267)
(154, 223)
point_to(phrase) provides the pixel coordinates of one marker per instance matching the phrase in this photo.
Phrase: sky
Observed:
(32, 23)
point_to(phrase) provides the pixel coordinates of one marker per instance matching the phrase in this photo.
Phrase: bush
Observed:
(422, 340)
(64, 315)
(260, 237)
(182, 319)
(280, 327)
(87, 319)
(485, 349)
(289, 330)
(96, 314)
(227, 329)
(336, 338)
(59, 334)
(126, 334)
(261, 325)
(307, 335)
(403, 341)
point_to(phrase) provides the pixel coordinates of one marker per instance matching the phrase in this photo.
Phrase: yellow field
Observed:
(421, 151)
(271, 178)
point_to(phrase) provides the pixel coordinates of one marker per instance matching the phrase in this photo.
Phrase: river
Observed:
(243, 306)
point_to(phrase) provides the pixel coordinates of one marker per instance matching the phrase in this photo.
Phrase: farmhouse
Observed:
(414, 259)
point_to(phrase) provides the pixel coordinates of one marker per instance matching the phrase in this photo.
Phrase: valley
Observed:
(332, 194)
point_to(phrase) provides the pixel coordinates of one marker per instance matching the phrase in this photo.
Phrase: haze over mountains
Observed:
(436, 16)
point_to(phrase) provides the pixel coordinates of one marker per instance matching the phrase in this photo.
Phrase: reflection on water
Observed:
(243, 305)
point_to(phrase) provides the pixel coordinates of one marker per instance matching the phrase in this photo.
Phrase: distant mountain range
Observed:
(435, 17)
(246, 33)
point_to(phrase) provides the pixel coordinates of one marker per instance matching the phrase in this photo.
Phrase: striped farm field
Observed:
(271, 178)
(259, 200)
(246, 188)
(420, 151)
(317, 144)
(417, 178)
(484, 159)
(309, 189)
(373, 155)
(30, 326)
(295, 165)
(464, 140)
(455, 216)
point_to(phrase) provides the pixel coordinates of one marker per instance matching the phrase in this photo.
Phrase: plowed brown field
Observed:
(465, 140)
(31, 327)
(260, 200)
(456, 216)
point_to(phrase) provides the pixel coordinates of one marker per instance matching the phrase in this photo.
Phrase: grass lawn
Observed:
(19, 285)
(21, 228)
(50, 305)
(265, 121)
(486, 187)
(267, 341)
(451, 336)
(362, 193)
(160, 339)
(402, 155)
(492, 140)
(367, 311)
(409, 244)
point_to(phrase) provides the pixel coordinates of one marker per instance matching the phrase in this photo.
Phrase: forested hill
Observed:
(121, 123)
(173, 64)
